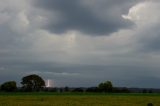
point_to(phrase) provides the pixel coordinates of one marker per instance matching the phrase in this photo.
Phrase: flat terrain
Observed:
(77, 99)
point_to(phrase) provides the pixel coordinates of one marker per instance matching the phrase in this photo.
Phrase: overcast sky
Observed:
(81, 42)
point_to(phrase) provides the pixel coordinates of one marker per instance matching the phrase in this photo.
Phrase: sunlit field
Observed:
(51, 99)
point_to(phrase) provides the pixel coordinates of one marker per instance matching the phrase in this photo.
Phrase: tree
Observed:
(78, 90)
(106, 86)
(32, 83)
(92, 89)
(66, 89)
(9, 86)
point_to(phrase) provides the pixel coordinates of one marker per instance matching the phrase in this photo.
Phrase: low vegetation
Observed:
(44, 99)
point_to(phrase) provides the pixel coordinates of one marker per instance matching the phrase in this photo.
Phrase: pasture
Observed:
(77, 99)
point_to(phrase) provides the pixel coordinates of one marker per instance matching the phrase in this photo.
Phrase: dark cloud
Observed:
(71, 60)
(84, 75)
(94, 18)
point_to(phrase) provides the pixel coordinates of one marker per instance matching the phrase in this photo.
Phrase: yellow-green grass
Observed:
(79, 100)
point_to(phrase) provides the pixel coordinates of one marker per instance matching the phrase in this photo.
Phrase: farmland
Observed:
(77, 99)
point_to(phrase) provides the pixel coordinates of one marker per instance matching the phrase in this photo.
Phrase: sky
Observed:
(80, 43)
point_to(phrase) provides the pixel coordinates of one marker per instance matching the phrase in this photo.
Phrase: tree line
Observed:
(34, 83)
(29, 83)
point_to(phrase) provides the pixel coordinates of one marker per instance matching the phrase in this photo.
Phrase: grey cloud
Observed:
(149, 39)
(97, 18)
(89, 60)
(152, 43)
(64, 74)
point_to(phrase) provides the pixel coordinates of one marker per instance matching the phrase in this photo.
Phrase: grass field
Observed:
(77, 99)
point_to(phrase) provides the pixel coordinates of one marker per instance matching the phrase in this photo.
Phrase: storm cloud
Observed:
(62, 41)
(86, 16)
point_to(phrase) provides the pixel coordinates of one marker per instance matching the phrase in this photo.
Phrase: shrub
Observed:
(9, 86)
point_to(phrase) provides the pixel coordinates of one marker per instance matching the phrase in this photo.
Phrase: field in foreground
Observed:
(78, 100)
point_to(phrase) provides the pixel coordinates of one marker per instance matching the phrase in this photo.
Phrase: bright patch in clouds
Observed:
(144, 12)
(49, 83)
(135, 12)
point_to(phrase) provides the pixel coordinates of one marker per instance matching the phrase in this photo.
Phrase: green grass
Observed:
(77, 99)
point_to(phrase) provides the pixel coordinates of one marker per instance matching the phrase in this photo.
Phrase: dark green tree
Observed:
(32, 83)
(105, 86)
(66, 89)
(9, 86)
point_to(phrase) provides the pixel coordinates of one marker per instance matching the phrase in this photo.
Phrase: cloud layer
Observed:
(63, 41)
(86, 16)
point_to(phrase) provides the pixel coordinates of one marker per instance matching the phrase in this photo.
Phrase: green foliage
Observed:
(105, 86)
(32, 83)
(78, 90)
(150, 104)
(66, 89)
(9, 86)
(92, 89)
